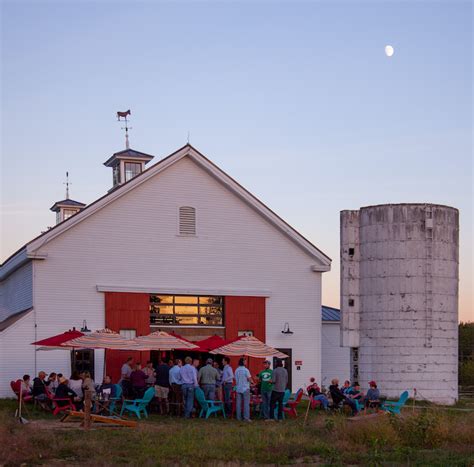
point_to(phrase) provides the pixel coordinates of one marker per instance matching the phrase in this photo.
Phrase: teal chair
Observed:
(208, 407)
(116, 398)
(395, 407)
(286, 398)
(359, 404)
(138, 406)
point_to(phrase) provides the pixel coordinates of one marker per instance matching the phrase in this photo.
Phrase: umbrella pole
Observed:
(307, 412)
(105, 364)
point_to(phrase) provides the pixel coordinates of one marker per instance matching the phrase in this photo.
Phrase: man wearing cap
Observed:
(266, 387)
(207, 378)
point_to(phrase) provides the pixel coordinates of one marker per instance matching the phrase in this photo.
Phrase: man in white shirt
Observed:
(242, 390)
(125, 373)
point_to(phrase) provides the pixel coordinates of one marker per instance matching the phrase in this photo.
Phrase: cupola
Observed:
(67, 207)
(128, 163)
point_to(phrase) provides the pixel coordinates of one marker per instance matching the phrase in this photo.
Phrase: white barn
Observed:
(179, 246)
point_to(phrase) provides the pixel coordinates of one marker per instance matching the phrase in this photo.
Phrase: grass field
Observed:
(423, 437)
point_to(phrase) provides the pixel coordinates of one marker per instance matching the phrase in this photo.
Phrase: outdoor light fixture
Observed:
(286, 329)
(84, 327)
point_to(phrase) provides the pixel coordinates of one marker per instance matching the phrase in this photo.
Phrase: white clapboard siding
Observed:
(17, 357)
(135, 241)
(335, 359)
(16, 291)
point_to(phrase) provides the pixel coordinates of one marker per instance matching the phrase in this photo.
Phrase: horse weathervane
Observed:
(122, 116)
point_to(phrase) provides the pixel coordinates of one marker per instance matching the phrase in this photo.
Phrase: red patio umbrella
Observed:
(211, 343)
(161, 340)
(55, 342)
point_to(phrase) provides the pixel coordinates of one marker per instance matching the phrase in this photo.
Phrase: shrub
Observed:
(423, 429)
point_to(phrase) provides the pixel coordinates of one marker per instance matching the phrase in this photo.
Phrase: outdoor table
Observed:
(101, 405)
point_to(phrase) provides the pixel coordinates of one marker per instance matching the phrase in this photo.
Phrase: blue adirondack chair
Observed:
(394, 407)
(286, 398)
(208, 407)
(138, 406)
(117, 397)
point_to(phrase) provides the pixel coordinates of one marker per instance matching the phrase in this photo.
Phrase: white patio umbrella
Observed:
(102, 339)
(161, 340)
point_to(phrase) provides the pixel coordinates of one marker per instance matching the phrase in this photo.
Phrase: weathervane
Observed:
(124, 115)
(67, 183)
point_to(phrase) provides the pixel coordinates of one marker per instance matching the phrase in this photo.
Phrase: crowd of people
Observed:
(349, 394)
(175, 383)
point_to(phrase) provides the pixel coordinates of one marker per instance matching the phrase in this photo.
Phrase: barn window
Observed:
(186, 310)
(187, 220)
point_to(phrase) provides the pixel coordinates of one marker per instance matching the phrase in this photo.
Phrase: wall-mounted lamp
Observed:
(286, 329)
(84, 327)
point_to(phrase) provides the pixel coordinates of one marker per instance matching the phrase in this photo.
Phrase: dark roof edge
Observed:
(7, 322)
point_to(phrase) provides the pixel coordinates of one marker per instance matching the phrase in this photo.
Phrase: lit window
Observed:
(68, 213)
(132, 169)
(116, 174)
(186, 310)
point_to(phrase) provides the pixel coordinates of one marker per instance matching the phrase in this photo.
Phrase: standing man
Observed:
(189, 377)
(266, 386)
(242, 389)
(227, 382)
(176, 396)
(162, 386)
(125, 373)
(208, 377)
(280, 381)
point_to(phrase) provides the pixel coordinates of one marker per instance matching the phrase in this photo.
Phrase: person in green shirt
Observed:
(266, 386)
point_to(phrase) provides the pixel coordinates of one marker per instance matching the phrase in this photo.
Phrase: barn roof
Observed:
(330, 314)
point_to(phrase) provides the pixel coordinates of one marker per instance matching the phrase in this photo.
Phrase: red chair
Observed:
(314, 403)
(26, 397)
(291, 405)
(60, 408)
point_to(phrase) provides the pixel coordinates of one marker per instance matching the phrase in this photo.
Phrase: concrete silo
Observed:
(399, 297)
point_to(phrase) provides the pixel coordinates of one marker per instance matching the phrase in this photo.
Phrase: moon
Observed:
(389, 51)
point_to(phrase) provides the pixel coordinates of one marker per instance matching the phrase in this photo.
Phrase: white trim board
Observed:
(183, 291)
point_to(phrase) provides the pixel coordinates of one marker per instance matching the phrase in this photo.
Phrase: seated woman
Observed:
(372, 399)
(26, 386)
(75, 384)
(63, 391)
(88, 383)
(338, 396)
(314, 391)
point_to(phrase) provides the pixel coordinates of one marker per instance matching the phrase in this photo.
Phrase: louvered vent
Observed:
(187, 220)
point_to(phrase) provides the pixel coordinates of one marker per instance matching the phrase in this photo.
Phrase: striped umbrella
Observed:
(161, 340)
(248, 346)
(102, 339)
